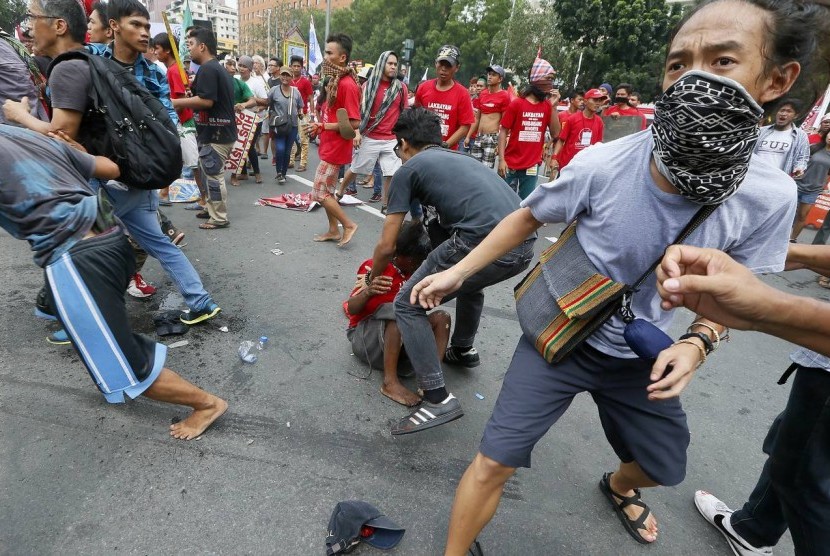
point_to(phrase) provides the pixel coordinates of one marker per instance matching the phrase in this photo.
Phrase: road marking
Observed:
(363, 207)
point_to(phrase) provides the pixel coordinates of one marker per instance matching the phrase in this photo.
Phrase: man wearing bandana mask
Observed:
(631, 198)
(622, 106)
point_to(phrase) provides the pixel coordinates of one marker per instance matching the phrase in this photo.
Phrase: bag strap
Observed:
(701, 215)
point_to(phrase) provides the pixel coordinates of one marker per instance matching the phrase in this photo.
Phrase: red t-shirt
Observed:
(527, 123)
(625, 111)
(304, 86)
(453, 105)
(493, 103)
(177, 90)
(578, 132)
(333, 148)
(376, 300)
(383, 130)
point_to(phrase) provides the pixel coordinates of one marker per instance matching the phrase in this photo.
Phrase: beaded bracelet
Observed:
(691, 343)
(367, 279)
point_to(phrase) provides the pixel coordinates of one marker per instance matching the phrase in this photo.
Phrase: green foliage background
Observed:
(11, 13)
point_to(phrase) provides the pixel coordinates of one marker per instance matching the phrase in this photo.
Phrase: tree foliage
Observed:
(11, 13)
(621, 40)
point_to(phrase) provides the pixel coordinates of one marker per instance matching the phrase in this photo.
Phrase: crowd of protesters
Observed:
(456, 171)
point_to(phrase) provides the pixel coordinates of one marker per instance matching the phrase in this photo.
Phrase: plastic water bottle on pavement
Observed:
(246, 353)
(263, 341)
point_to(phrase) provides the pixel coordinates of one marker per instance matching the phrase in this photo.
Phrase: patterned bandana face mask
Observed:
(705, 128)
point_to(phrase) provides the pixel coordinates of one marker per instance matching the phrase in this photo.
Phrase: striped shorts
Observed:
(87, 285)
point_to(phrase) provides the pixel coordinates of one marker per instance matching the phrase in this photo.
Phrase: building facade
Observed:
(261, 20)
(223, 18)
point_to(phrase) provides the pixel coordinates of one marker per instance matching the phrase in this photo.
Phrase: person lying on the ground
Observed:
(712, 284)
(373, 332)
(45, 199)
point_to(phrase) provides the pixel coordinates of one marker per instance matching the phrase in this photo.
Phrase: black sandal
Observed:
(631, 525)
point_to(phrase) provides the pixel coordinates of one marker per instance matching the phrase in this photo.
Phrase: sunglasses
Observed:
(397, 148)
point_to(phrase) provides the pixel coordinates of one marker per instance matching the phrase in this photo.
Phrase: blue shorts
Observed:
(87, 285)
(808, 198)
(535, 394)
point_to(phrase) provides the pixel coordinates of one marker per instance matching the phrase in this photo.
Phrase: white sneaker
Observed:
(718, 514)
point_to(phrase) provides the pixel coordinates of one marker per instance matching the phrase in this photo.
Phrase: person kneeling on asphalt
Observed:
(88, 261)
(373, 332)
(469, 200)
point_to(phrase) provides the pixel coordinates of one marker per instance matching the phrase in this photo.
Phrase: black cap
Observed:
(355, 521)
(449, 53)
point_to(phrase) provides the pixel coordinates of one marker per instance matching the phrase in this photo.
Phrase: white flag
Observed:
(315, 57)
(813, 119)
(424, 78)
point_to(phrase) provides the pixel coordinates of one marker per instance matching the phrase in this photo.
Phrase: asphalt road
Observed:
(79, 476)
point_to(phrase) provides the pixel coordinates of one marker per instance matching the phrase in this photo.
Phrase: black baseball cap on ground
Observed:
(355, 521)
(449, 53)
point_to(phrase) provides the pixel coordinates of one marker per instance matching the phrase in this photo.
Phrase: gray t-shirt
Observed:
(469, 198)
(70, 84)
(276, 96)
(16, 82)
(626, 221)
(815, 176)
(44, 196)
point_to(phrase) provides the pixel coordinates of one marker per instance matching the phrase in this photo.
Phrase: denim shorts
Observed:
(535, 394)
(808, 197)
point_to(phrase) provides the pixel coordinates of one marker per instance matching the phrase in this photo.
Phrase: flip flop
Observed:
(210, 226)
(631, 525)
(344, 125)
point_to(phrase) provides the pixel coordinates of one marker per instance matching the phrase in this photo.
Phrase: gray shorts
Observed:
(535, 394)
(368, 336)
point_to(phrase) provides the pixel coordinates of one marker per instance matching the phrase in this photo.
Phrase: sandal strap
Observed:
(634, 500)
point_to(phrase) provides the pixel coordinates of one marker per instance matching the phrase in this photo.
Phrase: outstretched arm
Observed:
(510, 232)
(712, 284)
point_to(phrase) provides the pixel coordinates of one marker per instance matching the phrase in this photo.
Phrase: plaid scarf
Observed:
(35, 75)
(541, 75)
(335, 73)
(370, 93)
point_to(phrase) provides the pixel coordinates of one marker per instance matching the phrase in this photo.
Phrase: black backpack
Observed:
(127, 124)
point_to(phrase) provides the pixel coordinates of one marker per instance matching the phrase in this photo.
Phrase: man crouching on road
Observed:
(373, 332)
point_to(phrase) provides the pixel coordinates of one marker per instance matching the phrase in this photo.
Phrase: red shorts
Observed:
(325, 181)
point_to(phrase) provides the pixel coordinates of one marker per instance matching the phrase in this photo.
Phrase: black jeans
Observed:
(794, 488)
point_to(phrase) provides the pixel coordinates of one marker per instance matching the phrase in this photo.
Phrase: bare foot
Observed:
(199, 420)
(330, 236)
(397, 392)
(649, 530)
(348, 234)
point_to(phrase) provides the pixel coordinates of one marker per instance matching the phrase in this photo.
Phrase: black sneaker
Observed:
(42, 309)
(351, 191)
(376, 198)
(195, 317)
(468, 358)
(429, 415)
(170, 231)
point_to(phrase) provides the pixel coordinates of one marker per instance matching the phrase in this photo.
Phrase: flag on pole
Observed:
(424, 78)
(187, 22)
(813, 119)
(315, 57)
